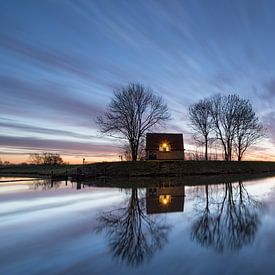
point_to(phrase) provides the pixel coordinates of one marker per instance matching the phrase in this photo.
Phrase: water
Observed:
(167, 228)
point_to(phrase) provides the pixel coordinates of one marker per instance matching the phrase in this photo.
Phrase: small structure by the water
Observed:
(165, 199)
(164, 146)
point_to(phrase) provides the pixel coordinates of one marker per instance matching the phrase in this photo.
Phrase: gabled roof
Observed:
(153, 140)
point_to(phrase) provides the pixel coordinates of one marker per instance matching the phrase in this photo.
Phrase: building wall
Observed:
(153, 202)
(169, 155)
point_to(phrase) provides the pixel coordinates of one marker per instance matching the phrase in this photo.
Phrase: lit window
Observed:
(164, 147)
(165, 199)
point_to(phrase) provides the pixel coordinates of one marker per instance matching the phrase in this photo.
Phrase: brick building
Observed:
(164, 146)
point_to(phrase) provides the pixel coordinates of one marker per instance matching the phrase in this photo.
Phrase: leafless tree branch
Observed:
(133, 111)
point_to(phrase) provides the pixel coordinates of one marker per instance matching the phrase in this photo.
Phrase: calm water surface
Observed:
(68, 228)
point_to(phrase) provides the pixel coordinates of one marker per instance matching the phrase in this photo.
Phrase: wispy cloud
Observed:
(59, 67)
(45, 96)
(70, 147)
(41, 130)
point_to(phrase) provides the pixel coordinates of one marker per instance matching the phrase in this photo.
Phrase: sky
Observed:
(61, 60)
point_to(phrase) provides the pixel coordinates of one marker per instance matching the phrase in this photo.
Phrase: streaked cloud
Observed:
(68, 147)
(60, 61)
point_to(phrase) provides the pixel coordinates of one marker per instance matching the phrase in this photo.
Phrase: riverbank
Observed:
(177, 168)
(141, 169)
(194, 180)
(27, 170)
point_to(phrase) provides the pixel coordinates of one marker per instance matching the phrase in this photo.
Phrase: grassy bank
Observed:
(177, 168)
(143, 169)
(37, 170)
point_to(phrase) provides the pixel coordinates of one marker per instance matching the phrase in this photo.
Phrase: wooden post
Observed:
(52, 179)
(83, 166)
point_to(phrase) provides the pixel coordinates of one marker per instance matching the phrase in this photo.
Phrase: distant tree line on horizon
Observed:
(227, 120)
(4, 162)
(46, 158)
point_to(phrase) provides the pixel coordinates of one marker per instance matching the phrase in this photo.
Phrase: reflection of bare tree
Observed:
(46, 184)
(133, 236)
(230, 223)
(202, 229)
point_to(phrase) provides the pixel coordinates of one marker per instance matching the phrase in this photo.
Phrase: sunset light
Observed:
(137, 137)
(55, 82)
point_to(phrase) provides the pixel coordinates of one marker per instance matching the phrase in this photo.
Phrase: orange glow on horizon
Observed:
(17, 159)
(6, 154)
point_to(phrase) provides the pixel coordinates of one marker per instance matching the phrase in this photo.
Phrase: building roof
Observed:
(153, 140)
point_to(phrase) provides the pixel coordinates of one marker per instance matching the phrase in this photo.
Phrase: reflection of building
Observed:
(164, 146)
(164, 199)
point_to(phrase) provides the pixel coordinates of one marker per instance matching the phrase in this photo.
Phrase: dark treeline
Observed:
(46, 158)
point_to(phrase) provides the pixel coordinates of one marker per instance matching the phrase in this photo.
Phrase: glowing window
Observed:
(164, 147)
(165, 199)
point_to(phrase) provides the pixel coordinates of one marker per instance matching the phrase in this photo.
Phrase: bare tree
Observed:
(224, 111)
(202, 228)
(35, 158)
(46, 158)
(133, 236)
(51, 158)
(202, 122)
(133, 110)
(229, 223)
(249, 129)
(126, 151)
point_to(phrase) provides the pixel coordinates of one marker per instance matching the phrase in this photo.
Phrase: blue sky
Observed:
(61, 60)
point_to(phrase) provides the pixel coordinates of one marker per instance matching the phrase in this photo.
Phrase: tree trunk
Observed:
(134, 157)
(241, 191)
(224, 149)
(225, 153)
(206, 148)
(133, 152)
(239, 155)
(206, 194)
(239, 152)
(228, 151)
(225, 156)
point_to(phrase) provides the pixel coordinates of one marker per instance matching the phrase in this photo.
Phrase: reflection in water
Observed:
(218, 219)
(226, 218)
(48, 184)
(164, 199)
(229, 222)
(133, 236)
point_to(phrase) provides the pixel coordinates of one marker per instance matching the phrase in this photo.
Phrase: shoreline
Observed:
(120, 169)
